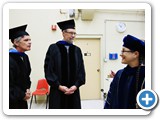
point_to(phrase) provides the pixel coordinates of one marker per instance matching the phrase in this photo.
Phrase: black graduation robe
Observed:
(62, 68)
(19, 80)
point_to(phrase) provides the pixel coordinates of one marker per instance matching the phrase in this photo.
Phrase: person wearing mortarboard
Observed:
(64, 70)
(128, 81)
(19, 68)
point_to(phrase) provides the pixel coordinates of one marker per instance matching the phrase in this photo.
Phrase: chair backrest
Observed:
(42, 83)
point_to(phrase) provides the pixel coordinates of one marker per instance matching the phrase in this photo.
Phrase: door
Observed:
(91, 54)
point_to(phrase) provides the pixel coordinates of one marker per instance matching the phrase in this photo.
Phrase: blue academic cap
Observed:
(134, 44)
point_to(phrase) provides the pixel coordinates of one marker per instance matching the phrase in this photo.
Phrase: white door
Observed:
(91, 54)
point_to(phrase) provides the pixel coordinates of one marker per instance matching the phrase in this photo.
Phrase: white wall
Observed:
(103, 24)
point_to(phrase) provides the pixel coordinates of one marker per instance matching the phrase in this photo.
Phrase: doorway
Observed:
(90, 48)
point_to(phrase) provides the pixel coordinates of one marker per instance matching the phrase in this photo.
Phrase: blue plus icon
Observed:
(147, 99)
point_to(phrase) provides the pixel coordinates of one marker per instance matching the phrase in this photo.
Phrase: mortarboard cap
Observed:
(66, 24)
(17, 32)
(134, 44)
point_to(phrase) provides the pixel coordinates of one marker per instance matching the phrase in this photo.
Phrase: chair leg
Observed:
(35, 98)
(31, 101)
(46, 101)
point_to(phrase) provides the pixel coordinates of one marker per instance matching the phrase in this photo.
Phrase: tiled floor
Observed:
(86, 104)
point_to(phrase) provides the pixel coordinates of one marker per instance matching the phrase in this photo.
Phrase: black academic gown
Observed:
(19, 80)
(62, 68)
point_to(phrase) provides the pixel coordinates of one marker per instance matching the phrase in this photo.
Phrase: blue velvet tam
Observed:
(134, 44)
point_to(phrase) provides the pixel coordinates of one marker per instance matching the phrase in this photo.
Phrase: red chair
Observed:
(42, 89)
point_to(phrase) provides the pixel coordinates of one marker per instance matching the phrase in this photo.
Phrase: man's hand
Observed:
(28, 95)
(112, 74)
(71, 90)
(63, 88)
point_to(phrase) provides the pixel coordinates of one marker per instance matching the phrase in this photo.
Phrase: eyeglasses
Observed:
(72, 33)
(126, 51)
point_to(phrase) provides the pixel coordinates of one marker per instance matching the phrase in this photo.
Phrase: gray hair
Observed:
(17, 40)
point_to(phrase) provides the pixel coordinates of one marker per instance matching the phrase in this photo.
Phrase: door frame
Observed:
(102, 54)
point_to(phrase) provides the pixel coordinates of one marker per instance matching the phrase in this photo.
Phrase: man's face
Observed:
(69, 35)
(24, 44)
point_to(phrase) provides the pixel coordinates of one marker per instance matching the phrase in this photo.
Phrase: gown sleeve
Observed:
(49, 66)
(80, 80)
(113, 91)
(28, 68)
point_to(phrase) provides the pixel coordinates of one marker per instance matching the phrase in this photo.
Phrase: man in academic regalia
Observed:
(19, 68)
(64, 70)
(128, 81)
